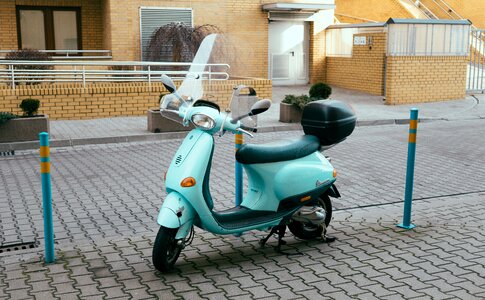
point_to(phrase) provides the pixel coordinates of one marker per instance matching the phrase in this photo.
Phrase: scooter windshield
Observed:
(191, 88)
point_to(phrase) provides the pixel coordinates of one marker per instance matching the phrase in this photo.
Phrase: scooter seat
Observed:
(278, 151)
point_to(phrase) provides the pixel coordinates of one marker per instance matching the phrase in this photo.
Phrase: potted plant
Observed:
(291, 108)
(320, 91)
(15, 128)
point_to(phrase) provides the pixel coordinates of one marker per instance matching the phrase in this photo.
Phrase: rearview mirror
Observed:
(168, 83)
(257, 108)
(260, 107)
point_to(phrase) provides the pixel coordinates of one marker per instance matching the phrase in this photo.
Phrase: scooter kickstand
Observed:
(280, 230)
(281, 233)
(328, 239)
(262, 242)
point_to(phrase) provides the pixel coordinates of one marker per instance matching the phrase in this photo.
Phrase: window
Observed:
(428, 39)
(152, 18)
(49, 28)
(340, 41)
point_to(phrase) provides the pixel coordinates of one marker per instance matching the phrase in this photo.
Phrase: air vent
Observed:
(17, 247)
(178, 160)
(7, 153)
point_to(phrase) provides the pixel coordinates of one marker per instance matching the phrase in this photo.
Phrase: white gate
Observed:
(288, 52)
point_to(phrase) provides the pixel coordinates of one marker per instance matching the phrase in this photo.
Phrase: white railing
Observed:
(14, 72)
(70, 54)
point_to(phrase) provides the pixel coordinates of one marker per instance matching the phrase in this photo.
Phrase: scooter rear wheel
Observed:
(165, 249)
(307, 231)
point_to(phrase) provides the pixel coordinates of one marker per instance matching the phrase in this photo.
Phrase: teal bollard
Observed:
(408, 194)
(239, 171)
(45, 171)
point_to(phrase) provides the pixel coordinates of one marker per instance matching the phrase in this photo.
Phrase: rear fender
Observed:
(176, 212)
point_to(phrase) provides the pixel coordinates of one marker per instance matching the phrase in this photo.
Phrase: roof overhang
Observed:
(296, 7)
(428, 21)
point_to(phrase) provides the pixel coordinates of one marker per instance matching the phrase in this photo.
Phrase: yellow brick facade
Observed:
(363, 71)
(354, 11)
(414, 79)
(72, 101)
(243, 21)
(115, 25)
(377, 10)
(317, 59)
(472, 10)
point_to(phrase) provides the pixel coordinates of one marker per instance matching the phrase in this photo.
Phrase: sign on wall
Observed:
(360, 40)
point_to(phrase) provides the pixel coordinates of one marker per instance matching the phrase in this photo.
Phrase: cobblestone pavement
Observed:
(106, 198)
(442, 258)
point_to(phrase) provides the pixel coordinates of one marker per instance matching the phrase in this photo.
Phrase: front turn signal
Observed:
(334, 173)
(188, 182)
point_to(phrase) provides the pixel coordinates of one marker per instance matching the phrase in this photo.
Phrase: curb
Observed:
(8, 147)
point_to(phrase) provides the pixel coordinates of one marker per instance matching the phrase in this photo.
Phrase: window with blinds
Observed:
(152, 18)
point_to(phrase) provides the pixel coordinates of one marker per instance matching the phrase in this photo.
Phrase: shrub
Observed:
(5, 116)
(29, 54)
(320, 90)
(29, 106)
(298, 101)
(177, 42)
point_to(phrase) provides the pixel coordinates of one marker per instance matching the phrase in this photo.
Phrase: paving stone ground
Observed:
(442, 258)
(106, 198)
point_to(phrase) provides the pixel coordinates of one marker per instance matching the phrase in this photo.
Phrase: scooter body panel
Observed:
(191, 160)
(176, 211)
(270, 183)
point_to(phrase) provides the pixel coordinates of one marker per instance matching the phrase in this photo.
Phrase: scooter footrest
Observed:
(242, 217)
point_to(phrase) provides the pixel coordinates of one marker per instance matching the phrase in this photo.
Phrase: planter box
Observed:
(157, 123)
(23, 129)
(289, 113)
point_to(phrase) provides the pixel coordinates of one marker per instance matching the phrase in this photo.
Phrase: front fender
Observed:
(176, 211)
(333, 192)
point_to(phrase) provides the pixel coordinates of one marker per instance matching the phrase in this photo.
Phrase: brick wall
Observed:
(317, 60)
(414, 79)
(8, 25)
(244, 22)
(363, 71)
(91, 21)
(72, 101)
(378, 10)
(469, 9)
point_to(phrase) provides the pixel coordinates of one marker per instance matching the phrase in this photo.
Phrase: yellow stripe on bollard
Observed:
(412, 138)
(45, 167)
(44, 151)
(413, 124)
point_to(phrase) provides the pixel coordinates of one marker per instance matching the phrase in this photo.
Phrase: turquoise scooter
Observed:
(289, 181)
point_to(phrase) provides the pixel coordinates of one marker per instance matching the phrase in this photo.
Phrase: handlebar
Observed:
(250, 129)
(244, 131)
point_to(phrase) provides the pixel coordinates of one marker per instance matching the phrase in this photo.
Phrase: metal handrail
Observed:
(418, 4)
(450, 9)
(12, 72)
(68, 54)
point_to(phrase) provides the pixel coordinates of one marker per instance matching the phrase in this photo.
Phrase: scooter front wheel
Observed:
(166, 250)
(308, 231)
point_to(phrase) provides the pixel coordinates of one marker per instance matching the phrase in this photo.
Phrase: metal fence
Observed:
(13, 73)
(476, 65)
(70, 54)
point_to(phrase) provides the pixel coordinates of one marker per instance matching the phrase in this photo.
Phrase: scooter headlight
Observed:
(203, 121)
